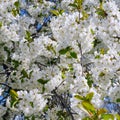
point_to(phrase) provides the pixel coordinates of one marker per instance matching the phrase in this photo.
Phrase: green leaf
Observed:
(118, 53)
(68, 48)
(89, 96)
(16, 63)
(101, 12)
(101, 74)
(30, 74)
(33, 117)
(88, 106)
(65, 50)
(79, 97)
(101, 111)
(101, 4)
(32, 105)
(13, 94)
(92, 31)
(61, 11)
(54, 12)
(118, 100)
(63, 75)
(13, 102)
(102, 51)
(100, 1)
(79, 4)
(17, 4)
(53, 61)
(22, 80)
(40, 15)
(14, 98)
(80, 1)
(57, 12)
(107, 117)
(46, 108)
(0, 24)
(28, 36)
(24, 73)
(51, 48)
(40, 1)
(73, 55)
(97, 57)
(7, 50)
(42, 81)
(89, 79)
(14, 12)
(85, 15)
(61, 115)
(70, 67)
(87, 118)
(117, 116)
(73, 5)
(96, 42)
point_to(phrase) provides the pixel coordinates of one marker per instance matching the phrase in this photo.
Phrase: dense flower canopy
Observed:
(60, 59)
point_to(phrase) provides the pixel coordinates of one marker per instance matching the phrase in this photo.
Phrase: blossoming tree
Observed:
(60, 59)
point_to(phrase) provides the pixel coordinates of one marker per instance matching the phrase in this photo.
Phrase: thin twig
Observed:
(80, 49)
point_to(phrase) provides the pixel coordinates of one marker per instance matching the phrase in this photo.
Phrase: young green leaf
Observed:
(51, 48)
(57, 12)
(17, 4)
(54, 12)
(65, 50)
(107, 117)
(16, 63)
(89, 79)
(70, 67)
(40, 1)
(13, 94)
(89, 96)
(79, 105)
(61, 11)
(42, 81)
(14, 12)
(96, 42)
(24, 74)
(79, 3)
(87, 118)
(73, 55)
(63, 75)
(92, 31)
(32, 104)
(97, 57)
(33, 117)
(101, 74)
(30, 74)
(117, 116)
(14, 98)
(88, 106)
(100, 1)
(13, 102)
(101, 12)
(85, 15)
(28, 36)
(118, 100)
(73, 5)
(102, 51)
(0, 24)
(101, 111)
(79, 97)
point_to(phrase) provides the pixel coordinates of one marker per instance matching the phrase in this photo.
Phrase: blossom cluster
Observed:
(55, 50)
